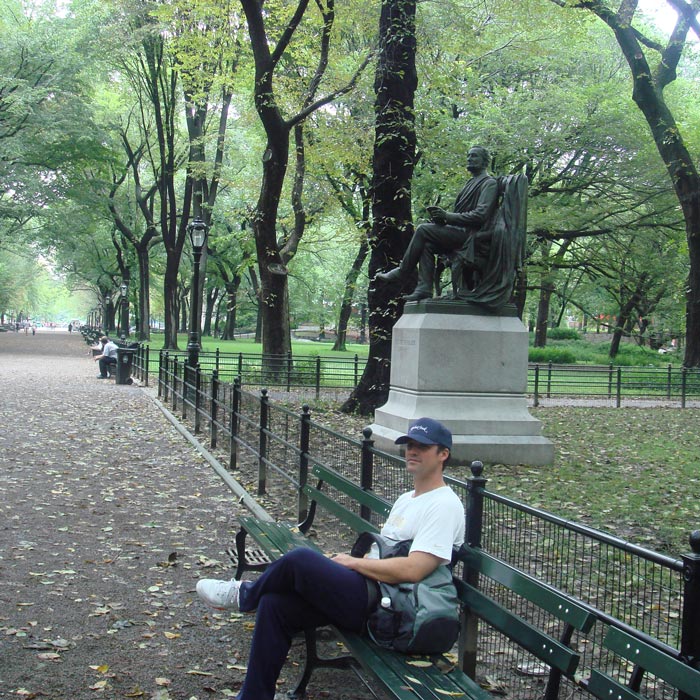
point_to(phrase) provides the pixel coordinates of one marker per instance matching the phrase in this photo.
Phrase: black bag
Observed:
(412, 618)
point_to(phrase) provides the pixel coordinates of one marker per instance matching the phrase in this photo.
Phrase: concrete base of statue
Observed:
(458, 364)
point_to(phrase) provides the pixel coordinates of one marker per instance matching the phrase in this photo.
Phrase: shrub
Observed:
(563, 334)
(558, 356)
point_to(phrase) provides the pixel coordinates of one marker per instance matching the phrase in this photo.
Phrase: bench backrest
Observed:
(357, 494)
(674, 672)
(555, 652)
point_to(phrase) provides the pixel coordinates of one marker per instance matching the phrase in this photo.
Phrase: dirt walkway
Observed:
(109, 517)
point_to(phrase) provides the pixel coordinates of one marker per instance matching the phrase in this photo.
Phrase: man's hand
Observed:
(437, 215)
(415, 567)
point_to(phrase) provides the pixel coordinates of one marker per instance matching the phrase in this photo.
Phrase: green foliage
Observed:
(558, 356)
(563, 334)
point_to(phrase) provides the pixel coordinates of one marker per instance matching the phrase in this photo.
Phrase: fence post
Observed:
(197, 396)
(468, 638)
(610, 380)
(174, 387)
(357, 369)
(549, 380)
(262, 452)
(240, 366)
(668, 381)
(304, 440)
(289, 373)
(147, 365)
(186, 384)
(537, 385)
(690, 627)
(214, 409)
(366, 469)
(684, 385)
(216, 360)
(318, 376)
(234, 423)
(162, 359)
(618, 388)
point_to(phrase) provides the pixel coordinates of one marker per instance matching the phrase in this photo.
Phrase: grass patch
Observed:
(632, 472)
(248, 345)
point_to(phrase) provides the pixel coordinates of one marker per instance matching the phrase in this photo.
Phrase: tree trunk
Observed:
(183, 306)
(212, 296)
(543, 314)
(348, 295)
(170, 307)
(231, 307)
(623, 319)
(143, 326)
(393, 161)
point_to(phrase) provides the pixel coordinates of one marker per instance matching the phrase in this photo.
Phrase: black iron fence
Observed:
(317, 375)
(651, 595)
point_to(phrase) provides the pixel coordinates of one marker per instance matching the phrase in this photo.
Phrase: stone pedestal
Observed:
(468, 369)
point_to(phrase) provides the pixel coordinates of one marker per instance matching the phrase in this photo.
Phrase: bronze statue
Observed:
(482, 240)
(447, 232)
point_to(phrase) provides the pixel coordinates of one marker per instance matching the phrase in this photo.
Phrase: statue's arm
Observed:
(481, 213)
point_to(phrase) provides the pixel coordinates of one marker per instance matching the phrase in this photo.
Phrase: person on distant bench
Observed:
(449, 231)
(305, 589)
(107, 357)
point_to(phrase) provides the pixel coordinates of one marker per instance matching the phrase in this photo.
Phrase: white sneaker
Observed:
(220, 595)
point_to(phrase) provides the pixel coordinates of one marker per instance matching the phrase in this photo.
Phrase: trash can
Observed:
(125, 359)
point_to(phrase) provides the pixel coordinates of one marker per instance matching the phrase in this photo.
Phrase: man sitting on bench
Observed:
(304, 589)
(107, 358)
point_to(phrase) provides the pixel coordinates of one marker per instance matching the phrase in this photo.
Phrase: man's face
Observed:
(424, 459)
(475, 160)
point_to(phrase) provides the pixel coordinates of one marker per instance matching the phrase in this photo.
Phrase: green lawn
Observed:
(634, 472)
(248, 345)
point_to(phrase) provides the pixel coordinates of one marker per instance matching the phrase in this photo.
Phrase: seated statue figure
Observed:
(483, 240)
(488, 280)
(449, 232)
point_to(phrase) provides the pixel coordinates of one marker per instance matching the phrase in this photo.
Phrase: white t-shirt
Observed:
(433, 520)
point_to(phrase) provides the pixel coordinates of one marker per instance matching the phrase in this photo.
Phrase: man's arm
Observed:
(415, 567)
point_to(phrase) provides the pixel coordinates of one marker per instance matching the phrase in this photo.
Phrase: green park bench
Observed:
(429, 678)
(643, 659)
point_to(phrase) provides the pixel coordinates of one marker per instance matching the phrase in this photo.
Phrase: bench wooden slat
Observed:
(366, 498)
(544, 647)
(351, 519)
(430, 679)
(371, 661)
(654, 661)
(275, 539)
(539, 593)
(603, 686)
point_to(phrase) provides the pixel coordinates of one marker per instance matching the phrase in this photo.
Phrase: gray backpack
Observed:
(412, 618)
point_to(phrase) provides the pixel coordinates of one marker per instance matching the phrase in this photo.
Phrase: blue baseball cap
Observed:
(428, 432)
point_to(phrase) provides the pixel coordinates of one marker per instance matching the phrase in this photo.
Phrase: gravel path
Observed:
(109, 517)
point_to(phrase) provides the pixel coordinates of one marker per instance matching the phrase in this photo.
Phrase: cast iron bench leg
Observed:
(314, 661)
(240, 551)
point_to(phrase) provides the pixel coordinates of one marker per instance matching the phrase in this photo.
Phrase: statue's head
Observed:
(477, 159)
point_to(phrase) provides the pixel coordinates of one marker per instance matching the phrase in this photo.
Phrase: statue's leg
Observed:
(437, 240)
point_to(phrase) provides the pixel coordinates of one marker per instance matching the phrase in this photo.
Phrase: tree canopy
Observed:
(122, 122)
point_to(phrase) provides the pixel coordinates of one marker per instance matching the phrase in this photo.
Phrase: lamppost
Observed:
(197, 231)
(124, 290)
